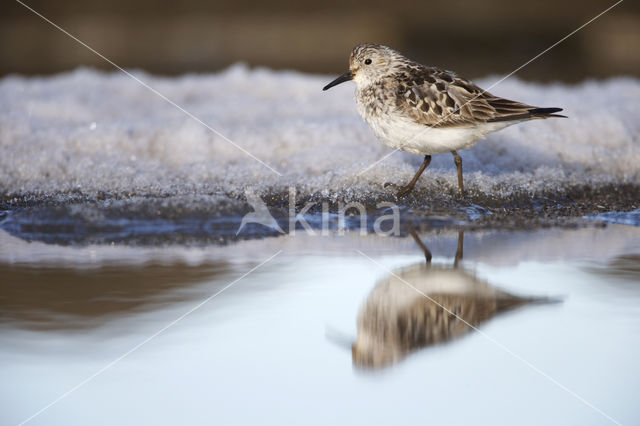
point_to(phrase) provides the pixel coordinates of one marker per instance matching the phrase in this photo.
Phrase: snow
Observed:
(89, 132)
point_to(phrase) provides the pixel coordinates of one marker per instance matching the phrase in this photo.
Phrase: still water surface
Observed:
(498, 328)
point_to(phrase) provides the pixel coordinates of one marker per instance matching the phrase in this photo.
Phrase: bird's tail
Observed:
(508, 301)
(546, 112)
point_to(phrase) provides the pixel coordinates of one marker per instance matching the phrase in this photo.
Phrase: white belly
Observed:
(405, 134)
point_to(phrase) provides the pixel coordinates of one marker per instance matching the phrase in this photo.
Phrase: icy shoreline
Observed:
(201, 220)
(89, 144)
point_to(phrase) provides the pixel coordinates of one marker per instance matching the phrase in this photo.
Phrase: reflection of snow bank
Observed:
(622, 218)
(494, 248)
(91, 131)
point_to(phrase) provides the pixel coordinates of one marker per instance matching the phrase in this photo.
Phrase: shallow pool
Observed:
(530, 327)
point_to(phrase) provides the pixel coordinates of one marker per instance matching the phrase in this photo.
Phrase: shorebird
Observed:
(426, 110)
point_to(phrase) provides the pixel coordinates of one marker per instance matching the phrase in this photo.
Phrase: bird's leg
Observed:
(425, 250)
(458, 257)
(458, 160)
(404, 190)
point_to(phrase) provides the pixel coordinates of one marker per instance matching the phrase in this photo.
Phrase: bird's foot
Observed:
(402, 190)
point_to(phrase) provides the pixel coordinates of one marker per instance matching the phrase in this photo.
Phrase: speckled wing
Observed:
(439, 98)
(426, 323)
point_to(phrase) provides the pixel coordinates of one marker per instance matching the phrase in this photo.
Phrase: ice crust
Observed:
(92, 133)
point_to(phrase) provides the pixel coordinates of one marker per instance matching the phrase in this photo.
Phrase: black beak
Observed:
(344, 77)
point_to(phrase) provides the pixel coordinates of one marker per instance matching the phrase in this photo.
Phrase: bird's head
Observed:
(369, 63)
(371, 352)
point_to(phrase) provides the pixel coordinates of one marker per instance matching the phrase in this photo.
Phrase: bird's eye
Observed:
(367, 61)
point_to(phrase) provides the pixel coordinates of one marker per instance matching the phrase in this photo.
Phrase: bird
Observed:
(424, 305)
(426, 110)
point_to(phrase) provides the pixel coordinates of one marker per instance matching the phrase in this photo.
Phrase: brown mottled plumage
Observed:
(441, 99)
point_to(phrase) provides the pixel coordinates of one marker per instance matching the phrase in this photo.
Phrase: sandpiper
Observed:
(425, 110)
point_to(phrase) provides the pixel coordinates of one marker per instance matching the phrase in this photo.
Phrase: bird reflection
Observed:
(424, 305)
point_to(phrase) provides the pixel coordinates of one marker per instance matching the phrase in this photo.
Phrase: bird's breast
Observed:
(374, 101)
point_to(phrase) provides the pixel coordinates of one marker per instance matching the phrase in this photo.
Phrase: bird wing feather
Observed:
(439, 98)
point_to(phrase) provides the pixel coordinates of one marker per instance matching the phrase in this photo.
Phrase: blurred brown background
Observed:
(475, 38)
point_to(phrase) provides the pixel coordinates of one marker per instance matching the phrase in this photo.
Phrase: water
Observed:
(274, 347)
